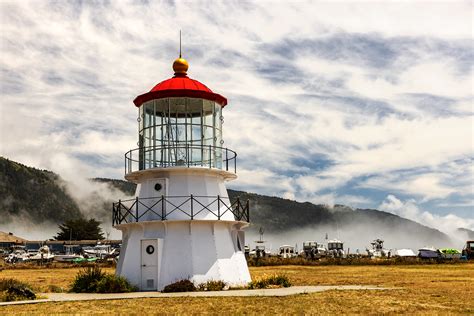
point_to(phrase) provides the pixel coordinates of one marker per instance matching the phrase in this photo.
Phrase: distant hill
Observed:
(290, 222)
(41, 195)
(469, 233)
(30, 192)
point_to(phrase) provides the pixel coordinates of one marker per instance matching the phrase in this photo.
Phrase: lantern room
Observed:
(180, 124)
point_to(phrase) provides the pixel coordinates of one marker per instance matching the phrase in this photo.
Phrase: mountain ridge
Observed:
(50, 200)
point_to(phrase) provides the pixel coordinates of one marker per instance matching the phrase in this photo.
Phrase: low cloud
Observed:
(449, 224)
(326, 103)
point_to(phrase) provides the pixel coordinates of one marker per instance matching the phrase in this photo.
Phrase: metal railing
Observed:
(180, 155)
(132, 210)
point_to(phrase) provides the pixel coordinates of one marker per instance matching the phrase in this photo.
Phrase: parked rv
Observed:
(259, 252)
(405, 253)
(71, 253)
(313, 250)
(468, 250)
(287, 251)
(43, 254)
(335, 248)
(449, 253)
(428, 253)
(378, 251)
(310, 249)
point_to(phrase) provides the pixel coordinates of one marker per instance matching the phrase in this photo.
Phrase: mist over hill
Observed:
(34, 201)
(290, 222)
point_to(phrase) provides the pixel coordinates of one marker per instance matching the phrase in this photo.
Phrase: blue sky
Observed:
(354, 103)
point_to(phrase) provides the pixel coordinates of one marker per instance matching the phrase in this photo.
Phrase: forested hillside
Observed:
(30, 192)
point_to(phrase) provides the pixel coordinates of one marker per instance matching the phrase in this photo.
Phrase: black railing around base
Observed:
(139, 209)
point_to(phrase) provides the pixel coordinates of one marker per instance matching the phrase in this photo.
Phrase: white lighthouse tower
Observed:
(181, 223)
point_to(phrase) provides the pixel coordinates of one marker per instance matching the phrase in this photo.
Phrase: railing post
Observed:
(226, 160)
(247, 206)
(119, 211)
(192, 210)
(218, 207)
(136, 209)
(113, 214)
(239, 206)
(163, 212)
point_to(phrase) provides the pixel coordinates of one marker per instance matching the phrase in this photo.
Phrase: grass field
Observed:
(424, 289)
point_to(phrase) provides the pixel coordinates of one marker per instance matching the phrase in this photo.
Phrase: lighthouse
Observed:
(181, 223)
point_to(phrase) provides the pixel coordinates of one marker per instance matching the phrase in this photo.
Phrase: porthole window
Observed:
(150, 249)
(158, 187)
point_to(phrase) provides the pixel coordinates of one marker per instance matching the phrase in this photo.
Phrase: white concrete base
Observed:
(198, 250)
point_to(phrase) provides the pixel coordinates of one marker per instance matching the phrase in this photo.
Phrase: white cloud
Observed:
(409, 209)
(307, 121)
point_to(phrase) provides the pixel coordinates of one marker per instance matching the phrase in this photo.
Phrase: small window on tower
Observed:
(158, 187)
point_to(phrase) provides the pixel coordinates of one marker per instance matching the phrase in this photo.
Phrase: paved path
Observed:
(67, 297)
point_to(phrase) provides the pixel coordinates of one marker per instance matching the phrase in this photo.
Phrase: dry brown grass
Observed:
(431, 289)
(44, 280)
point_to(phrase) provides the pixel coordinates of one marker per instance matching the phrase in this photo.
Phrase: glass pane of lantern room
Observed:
(177, 130)
(208, 133)
(148, 135)
(195, 131)
(218, 134)
(161, 113)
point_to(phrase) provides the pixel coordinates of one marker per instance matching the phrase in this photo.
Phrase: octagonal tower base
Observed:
(157, 253)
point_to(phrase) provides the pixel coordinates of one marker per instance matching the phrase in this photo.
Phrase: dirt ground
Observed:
(426, 289)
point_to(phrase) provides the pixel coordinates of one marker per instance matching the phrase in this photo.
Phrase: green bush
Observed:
(114, 284)
(212, 286)
(14, 290)
(273, 280)
(93, 280)
(86, 280)
(180, 286)
(280, 280)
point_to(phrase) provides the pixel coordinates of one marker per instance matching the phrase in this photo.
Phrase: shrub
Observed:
(212, 286)
(93, 280)
(280, 280)
(273, 280)
(86, 280)
(180, 286)
(14, 290)
(114, 284)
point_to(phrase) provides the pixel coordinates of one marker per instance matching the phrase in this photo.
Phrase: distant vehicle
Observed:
(259, 252)
(287, 251)
(335, 248)
(247, 251)
(99, 251)
(70, 255)
(313, 250)
(428, 253)
(310, 249)
(18, 254)
(449, 253)
(468, 250)
(378, 251)
(405, 253)
(43, 254)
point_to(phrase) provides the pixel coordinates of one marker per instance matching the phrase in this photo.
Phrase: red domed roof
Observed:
(180, 86)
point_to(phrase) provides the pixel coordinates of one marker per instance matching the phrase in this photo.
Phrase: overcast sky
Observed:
(362, 104)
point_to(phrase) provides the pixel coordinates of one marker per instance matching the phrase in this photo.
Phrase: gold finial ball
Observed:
(180, 66)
